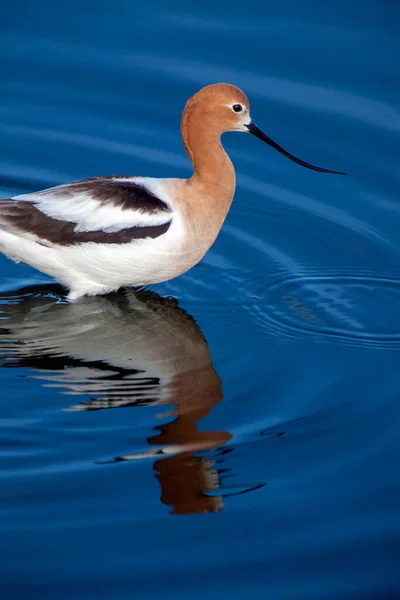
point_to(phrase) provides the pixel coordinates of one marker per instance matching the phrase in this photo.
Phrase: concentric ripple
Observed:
(360, 307)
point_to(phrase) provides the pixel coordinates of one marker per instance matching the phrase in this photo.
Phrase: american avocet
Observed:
(97, 235)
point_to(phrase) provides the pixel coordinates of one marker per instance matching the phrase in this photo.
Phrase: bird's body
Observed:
(94, 248)
(99, 234)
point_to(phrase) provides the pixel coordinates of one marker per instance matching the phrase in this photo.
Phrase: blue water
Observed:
(235, 433)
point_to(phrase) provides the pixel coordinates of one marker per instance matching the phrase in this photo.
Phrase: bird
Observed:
(99, 234)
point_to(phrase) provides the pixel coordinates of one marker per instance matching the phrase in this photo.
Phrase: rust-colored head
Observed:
(221, 106)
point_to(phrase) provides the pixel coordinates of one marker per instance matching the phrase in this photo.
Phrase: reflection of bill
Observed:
(125, 350)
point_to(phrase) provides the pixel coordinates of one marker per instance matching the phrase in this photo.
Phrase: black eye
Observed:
(237, 108)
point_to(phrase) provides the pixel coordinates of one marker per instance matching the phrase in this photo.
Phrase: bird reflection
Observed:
(127, 349)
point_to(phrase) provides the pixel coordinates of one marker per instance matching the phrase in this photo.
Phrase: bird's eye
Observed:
(237, 108)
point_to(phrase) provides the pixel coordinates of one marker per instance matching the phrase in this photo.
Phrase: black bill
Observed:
(254, 130)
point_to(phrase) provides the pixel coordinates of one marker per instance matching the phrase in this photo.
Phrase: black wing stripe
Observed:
(25, 217)
(106, 190)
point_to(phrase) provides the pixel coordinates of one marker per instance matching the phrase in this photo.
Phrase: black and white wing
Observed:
(106, 210)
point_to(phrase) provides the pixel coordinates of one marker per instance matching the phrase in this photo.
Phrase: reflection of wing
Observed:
(106, 386)
(114, 351)
(101, 209)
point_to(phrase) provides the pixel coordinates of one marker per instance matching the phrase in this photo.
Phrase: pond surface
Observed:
(233, 433)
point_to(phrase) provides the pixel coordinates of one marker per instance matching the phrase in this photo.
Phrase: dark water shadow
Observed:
(125, 350)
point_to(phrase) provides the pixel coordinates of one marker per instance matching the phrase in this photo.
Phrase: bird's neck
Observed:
(213, 173)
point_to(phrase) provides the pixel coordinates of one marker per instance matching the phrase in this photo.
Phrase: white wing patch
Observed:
(91, 214)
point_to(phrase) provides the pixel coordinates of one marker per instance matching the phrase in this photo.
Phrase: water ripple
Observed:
(354, 307)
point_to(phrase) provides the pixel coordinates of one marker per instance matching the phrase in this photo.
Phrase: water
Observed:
(233, 433)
